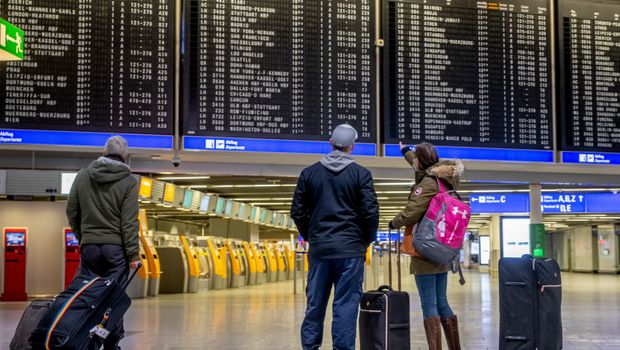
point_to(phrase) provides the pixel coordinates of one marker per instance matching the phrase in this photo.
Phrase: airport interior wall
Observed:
(45, 246)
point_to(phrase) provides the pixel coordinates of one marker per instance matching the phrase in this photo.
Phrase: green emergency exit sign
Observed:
(538, 240)
(11, 42)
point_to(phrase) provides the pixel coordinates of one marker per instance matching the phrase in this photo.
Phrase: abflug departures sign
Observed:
(277, 70)
(468, 73)
(551, 202)
(588, 37)
(89, 66)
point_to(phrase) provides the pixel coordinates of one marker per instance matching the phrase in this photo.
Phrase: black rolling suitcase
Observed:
(81, 317)
(530, 297)
(30, 318)
(384, 320)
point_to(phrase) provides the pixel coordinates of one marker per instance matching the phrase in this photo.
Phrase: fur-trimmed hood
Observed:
(450, 171)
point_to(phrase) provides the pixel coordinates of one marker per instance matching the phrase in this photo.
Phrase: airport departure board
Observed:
(468, 73)
(105, 66)
(589, 37)
(279, 69)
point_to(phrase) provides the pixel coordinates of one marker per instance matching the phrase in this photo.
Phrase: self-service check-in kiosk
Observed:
(244, 260)
(139, 286)
(218, 256)
(72, 256)
(205, 268)
(253, 263)
(290, 258)
(152, 259)
(281, 262)
(193, 263)
(237, 275)
(261, 264)
(14, 264)
(272, 272)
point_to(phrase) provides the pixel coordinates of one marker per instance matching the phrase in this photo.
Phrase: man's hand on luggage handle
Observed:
(134, 264)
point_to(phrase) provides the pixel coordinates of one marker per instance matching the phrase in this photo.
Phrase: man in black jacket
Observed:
(335, 209)
(103, 213)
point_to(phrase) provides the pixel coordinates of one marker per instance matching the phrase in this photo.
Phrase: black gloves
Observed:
(405, 150)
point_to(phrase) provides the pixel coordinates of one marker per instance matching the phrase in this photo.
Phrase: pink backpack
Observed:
(440, 234)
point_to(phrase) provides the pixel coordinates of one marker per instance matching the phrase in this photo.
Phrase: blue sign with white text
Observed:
(80, 139)
(591, 158)
(551, 203)
(487, 154)
(200, 143)
(500, 203)
(563, 202)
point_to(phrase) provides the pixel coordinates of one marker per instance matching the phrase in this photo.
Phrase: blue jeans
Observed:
(347, 276)
(432, 289)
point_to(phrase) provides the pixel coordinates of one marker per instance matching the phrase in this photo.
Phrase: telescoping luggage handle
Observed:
(397, 257)
(133, 274)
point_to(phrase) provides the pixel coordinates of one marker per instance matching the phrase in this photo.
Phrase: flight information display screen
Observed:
(589, 38)
(468, 73)
(99, 66)
(279, 69)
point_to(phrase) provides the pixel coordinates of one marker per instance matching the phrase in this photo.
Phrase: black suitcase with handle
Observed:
(530, 297)
(384, 320)
(82, 316)
(30, 318)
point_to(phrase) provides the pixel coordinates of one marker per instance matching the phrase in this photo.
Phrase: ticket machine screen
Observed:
(15, 239)
(71, 240)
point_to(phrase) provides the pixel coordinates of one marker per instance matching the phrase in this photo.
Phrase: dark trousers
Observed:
(433, 295)
(347, 276)
(109, 261)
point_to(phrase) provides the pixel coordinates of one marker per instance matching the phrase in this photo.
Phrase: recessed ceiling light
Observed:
(172, 178)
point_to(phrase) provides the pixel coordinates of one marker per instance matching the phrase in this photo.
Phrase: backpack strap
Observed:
(442, 189)
(440, 185)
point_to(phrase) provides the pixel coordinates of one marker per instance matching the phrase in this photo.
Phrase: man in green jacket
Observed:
(103, 213)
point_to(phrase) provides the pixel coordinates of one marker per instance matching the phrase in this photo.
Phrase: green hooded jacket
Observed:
(449, 173)
(103, 206)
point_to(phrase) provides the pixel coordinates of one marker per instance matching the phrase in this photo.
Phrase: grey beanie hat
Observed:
(344, 135)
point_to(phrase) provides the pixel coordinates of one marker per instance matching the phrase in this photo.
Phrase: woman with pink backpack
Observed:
(435, 181)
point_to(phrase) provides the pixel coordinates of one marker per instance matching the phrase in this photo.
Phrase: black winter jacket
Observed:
(335, 208)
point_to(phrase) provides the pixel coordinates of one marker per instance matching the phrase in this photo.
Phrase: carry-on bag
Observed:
(83, 315)
(530, 297)
(384, 320)
(29, 321)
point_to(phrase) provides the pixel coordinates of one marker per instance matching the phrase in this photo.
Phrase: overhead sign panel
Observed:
(589, 67)
(99, 67)
(466, 73)
(551, 202)
(275, 70)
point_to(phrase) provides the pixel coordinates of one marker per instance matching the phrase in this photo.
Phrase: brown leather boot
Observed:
(451, 329)
(432, 328)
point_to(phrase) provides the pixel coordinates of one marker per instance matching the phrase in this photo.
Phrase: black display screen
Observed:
(468, 73)
(589, 60)
(105, 66)
(281, 69)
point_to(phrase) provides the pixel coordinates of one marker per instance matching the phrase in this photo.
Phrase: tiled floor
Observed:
(269, 316)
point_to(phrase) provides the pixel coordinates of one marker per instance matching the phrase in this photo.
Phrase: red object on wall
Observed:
(72, 255)
(14, 264)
